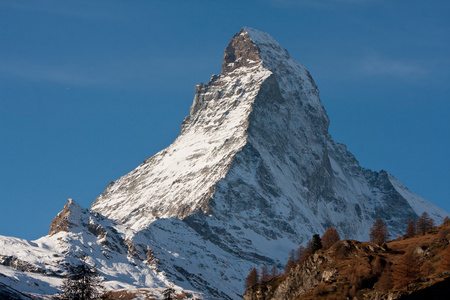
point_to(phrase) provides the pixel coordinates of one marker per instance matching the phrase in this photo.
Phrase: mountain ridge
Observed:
(222, 123)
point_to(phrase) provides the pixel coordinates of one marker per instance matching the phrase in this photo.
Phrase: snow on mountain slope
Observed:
(253, 174)
(254, 169)
(122, 257)
(419, 204)
(256, 144)
(180, 179)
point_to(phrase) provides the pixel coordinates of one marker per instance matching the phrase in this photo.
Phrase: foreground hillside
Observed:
(406, 268)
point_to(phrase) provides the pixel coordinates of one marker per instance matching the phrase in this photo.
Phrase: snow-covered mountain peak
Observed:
(259, 132)
(241, 52)
(70, 217)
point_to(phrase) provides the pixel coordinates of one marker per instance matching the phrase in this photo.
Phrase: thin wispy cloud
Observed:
(121, 73)
(382, 66)
(321, 3)
(68, 75)
(80, 9)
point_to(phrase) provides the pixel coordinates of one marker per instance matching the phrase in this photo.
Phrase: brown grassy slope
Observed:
(352, 269)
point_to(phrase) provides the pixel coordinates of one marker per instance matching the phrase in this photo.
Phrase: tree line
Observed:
(404, 273)
(328, 239)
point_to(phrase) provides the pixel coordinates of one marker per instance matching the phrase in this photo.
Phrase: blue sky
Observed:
(89, 89)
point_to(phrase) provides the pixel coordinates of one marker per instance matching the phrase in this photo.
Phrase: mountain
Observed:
(253, 174)
(255, 152)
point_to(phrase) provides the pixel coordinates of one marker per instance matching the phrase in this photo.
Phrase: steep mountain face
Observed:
(255, 153)
(253, 174)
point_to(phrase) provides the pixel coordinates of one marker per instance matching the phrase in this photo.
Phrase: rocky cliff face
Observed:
(253, 174)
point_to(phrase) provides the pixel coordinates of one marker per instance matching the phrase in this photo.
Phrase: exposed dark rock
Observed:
(8, 293)
(20, 265)
(61, 221)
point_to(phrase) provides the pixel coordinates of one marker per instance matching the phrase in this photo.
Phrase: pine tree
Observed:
(308, 250)
(407, 270)
(379, 233)
(423, 223)
(330, 237)
(316, 243)
(299, 253)
(446, 260)
(385, 282)
(290, 263)
(431, 224)
(352, 292)
(443, 236)
(427, 268)
(410, 229)
(378, 265)
(446, 221)
(169, 293)
(265, 276)
(82, 282)
(252, 278)
(273, 272)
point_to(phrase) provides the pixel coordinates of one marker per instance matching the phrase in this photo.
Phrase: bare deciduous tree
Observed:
(265, 276)
(330, 237)
(290, 263)
(407, 270)
(252, 278)
(446, 259)
(410, 229)
(379, 233)
(423, 224)
(273, 272)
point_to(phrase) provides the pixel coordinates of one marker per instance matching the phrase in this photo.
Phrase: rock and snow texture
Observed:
(255, 153)
(124, 259)
(253, 174)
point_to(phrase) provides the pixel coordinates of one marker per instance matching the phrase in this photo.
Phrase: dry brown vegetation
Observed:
(363, 269)
(129, 295)
(144, 294)
(406, 265)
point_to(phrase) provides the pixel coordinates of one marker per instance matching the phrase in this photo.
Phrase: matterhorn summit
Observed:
(256, 147)
(253, 174)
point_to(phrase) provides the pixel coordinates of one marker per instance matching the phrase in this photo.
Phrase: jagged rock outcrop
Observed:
(18, 264)
(62, 221)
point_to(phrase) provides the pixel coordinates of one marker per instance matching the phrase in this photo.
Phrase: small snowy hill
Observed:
(253, 174)
(121, 257)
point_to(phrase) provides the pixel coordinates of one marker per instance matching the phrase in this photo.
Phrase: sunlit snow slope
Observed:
(256, 147)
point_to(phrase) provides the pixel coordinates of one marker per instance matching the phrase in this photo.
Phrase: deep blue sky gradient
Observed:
(89, 89)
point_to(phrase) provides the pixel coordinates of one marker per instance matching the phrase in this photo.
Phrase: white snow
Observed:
(419, 204)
